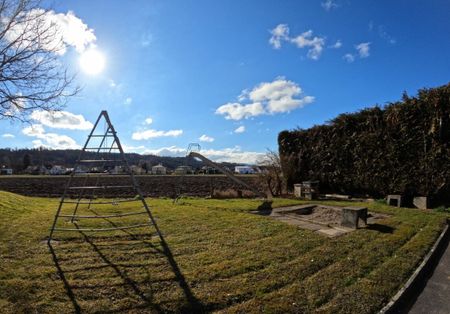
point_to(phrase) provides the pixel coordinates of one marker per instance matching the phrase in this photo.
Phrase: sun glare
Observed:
(92, 62)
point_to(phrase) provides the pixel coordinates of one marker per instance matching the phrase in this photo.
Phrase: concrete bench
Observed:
(351, 216)
(394, 200)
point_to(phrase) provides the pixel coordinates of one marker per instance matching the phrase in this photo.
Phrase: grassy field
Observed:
(215, 257)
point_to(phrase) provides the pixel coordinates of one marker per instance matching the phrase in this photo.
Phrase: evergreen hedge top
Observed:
(401, 148)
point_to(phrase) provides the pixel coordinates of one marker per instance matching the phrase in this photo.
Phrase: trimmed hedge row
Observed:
(402, 148)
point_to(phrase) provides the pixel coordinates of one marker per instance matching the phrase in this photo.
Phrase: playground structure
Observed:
(85, 195)
(193, 151)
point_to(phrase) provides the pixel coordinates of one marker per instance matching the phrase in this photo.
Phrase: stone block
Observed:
(421, 202)
(394, 200)
(351, 216)
(298, 190)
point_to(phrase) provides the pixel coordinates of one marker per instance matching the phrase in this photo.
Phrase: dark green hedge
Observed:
(401, 148)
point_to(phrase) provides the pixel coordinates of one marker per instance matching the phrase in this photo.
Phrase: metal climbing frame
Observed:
(193, 151)
(226, 172)
(103, 153)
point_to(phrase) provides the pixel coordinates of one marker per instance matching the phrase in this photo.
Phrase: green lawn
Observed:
(215, 257)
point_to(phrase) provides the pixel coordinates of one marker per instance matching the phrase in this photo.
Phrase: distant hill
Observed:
(19, 159)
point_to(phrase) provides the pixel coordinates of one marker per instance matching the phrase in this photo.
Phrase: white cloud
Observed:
(279, 95)
(133, 149)
(286, 104)
(148, 121)
(34, 130)
(61, 120)
(56, 141)
(147, 134)
(112, 84)
(363, 49)
(279, 33)
(8, 135)
(49, 140)
(336, 45)
(243, 96)
(329, 5)
(273, 97)
(68, 30)
(234, 154)
(14, 107)
(275, 90)
(171, 151)
(349, 57)
(240, 129)
(206, 138)
(128, 101)
(236, 111)
(306, 40)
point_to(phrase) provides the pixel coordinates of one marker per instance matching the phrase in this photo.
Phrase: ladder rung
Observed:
(111, 202)
(105, 216)
(99, 160)
(100, 187)
(102, 135)
(102, 229)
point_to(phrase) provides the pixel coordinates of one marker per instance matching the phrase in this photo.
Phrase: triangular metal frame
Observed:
(101, 150)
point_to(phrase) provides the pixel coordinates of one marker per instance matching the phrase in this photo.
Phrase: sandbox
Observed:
(327, 220)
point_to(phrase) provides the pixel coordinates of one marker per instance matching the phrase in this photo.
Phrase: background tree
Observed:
(143, 164)
(26, 161)
(271, 174)
(31, 75)
(6, 162)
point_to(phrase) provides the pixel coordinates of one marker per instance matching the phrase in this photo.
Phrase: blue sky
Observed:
(236, 73)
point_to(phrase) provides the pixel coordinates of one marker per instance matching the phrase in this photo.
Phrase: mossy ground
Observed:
(215, 257)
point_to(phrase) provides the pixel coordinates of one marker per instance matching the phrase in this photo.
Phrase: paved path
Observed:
(435, 297)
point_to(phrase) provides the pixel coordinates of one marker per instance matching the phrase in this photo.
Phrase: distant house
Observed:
(6, 171)
(183, 170)
(159, 169)
(244, 170)
(58, 170)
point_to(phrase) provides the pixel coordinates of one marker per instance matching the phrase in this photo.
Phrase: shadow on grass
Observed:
(265, 206)
(64, 280)
(380, 228)
(192, 304)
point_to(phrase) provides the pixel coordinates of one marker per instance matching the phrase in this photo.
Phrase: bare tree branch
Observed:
(31, 74)
(271, 173)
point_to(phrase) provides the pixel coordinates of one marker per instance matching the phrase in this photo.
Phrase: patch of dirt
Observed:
(325, 215)
(151, 185)
(322, 219)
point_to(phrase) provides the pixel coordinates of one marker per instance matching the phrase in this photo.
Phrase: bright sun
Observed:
(92, 62)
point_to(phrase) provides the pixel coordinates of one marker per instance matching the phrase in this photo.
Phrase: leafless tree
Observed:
(31, 74)
(271, 173)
